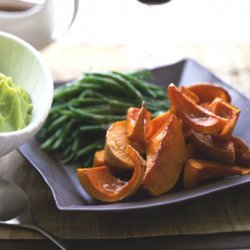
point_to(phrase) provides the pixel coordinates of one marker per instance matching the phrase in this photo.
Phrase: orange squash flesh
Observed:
(156, 124)
(227, 131)
(212, 149)
(166, 154)
(99, 158)
(115, 146)
(137, 126)
(102, 185)
(207, 92)
(196, 171)
(137, 123)
(188, 93)
(198, 118)
(222, 108)
(228, 111)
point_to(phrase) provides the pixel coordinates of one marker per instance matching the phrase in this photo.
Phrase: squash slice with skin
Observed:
(242, 152)
(99, 158)
(196, 171)
(102, 185)
(211, 148)
(207, 92)
(166, 155)
(115, 146)
(156, 124)
(137, 126)
(188, 93)
(226, 110)
(137, 123)
(195, 116)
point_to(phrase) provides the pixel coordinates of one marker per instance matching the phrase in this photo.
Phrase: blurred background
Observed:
(127, 35)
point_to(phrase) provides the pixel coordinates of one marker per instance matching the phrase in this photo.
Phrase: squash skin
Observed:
(156, 124)
(166, 155)
(226, 110)
(190, 94)
(100, 183)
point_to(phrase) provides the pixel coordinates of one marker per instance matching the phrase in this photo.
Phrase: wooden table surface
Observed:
(228, 61)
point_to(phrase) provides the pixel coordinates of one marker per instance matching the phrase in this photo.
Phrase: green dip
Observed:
(15, 105)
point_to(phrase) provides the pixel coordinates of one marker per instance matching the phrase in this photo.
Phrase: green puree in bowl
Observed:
(15, 105)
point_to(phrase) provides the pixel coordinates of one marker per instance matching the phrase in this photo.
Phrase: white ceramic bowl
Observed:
(25, 65)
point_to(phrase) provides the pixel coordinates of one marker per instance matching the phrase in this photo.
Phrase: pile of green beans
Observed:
(82, 111)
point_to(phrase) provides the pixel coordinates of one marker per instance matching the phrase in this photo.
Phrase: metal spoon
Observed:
(15, 210)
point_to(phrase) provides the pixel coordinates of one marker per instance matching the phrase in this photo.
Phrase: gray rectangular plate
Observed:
(63, 181)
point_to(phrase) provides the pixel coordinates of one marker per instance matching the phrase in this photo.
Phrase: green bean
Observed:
(90, 93)
(87, 101)
(88, 161)
(91, 147)
(76, 143)
(138, 83)
(130, 87)
(66, 130)
(57, 123)
(127, 86)
(62, 93)
(50, 141)
(47, 144)
(94, 127)
(103, 82)
(57, 107)
(100, 118)
(69, 158)
(121, 104)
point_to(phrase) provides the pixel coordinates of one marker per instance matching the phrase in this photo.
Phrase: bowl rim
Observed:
(49, 80)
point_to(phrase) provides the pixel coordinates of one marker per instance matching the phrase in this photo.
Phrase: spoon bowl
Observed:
(14, 204)
(15, 210)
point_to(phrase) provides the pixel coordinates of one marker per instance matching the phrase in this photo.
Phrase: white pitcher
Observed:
(35, 25)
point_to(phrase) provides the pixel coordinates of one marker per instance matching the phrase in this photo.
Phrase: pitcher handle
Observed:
(76, 5)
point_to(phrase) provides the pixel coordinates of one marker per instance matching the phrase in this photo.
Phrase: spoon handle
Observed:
(50, 236)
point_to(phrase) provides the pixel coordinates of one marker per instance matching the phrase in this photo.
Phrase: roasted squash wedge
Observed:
(196, 171)
(207, 92)
(100, 183)
(166, 154)
(197, 117)
(99, 158)
(137, 123)
(211, 148)
(116, 143)
(228, 111)
(137, 126)
(188, 93)
(242, 152)
(156, 124)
